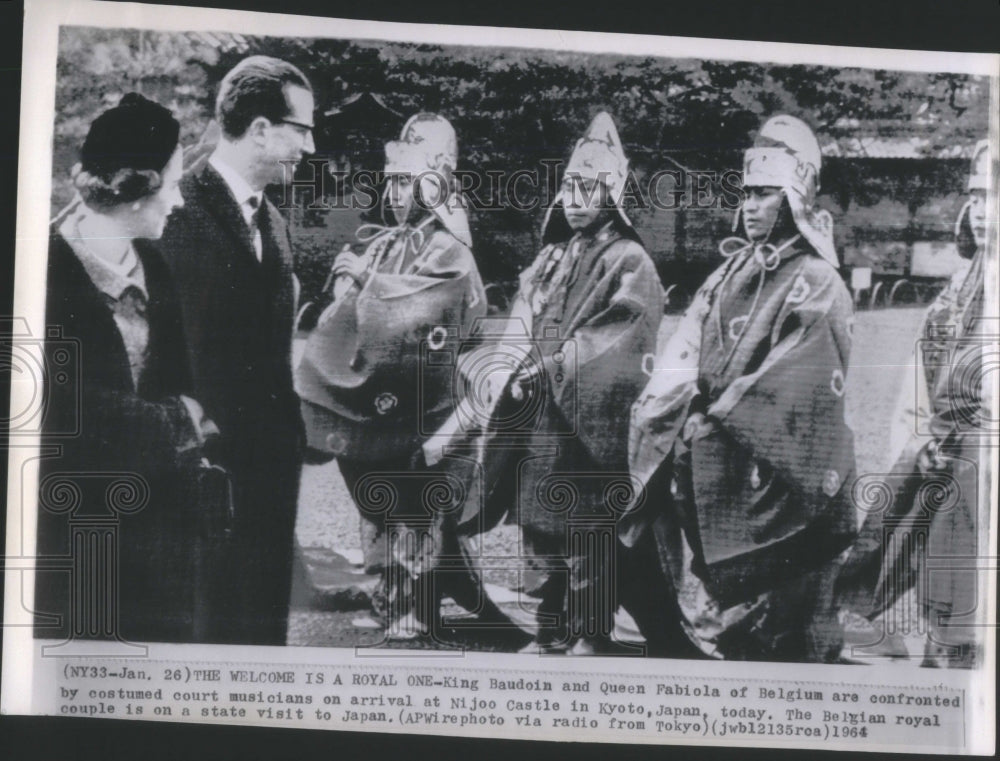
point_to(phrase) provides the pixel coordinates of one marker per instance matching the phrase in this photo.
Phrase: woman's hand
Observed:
(204, 427)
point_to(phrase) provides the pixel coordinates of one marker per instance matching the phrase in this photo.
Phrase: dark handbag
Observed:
(214, 513)
(214, 498)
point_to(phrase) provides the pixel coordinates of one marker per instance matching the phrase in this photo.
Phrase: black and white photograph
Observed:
(412, 345)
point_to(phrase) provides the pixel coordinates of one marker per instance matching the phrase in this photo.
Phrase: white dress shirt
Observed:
(242, 192)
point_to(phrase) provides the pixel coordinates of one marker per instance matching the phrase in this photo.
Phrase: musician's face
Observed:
(977, 216)
(760, 211)
(399, 196)
(584, 201)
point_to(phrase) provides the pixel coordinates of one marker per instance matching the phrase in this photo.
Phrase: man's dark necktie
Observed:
(261, 221)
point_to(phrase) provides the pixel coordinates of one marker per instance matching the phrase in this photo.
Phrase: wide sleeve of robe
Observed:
(368, 364)
(607, 350)
(789, 411)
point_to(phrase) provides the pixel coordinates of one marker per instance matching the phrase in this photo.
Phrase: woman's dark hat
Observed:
(135, 134)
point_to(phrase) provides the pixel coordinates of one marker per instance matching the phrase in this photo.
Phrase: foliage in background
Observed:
(514, 108)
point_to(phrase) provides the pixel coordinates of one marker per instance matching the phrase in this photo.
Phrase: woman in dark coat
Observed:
(129, 440)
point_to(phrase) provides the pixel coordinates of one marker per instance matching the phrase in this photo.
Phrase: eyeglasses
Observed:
(298, 125)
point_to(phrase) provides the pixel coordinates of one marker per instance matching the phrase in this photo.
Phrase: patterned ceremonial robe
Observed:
(372, 391)
(369, 392)
(592, 306)
(599, 299)
(741, 440)
(935, 508)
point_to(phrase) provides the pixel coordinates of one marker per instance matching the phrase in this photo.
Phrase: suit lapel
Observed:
(277, 265)
(269, 282)
(223, 206)
(277, 233)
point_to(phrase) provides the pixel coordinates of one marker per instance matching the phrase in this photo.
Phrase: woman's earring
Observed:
(136, 206)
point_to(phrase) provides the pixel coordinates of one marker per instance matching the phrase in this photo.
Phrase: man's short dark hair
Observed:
(255, 87)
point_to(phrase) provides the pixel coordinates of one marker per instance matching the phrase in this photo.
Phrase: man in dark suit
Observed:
(231, 256)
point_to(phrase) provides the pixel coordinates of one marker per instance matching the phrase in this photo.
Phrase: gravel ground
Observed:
(883, 343)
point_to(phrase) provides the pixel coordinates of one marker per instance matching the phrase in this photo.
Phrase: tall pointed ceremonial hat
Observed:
(599, 156)
(979, 172)
(427, 151)
(786, 155)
